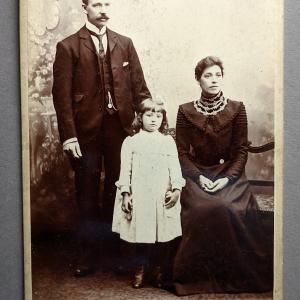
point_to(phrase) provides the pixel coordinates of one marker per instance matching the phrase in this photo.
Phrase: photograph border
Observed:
(278, 154)
(25, 149)
(278, 159)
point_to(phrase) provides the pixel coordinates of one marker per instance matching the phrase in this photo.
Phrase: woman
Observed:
(223, 248)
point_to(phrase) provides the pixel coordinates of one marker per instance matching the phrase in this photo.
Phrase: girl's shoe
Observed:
(139, 277)
(158, 277)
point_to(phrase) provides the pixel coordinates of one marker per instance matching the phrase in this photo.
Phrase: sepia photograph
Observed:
(152, 149)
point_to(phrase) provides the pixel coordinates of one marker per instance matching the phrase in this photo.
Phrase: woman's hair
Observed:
(205, 63)
(149, 105)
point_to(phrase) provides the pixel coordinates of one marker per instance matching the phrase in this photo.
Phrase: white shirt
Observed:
(96, 30)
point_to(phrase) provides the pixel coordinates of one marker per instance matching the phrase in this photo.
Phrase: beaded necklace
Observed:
(210, 106)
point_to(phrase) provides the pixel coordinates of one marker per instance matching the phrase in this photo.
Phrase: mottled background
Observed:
(170, 37)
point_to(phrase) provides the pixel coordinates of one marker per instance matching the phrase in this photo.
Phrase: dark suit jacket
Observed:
(77, 95)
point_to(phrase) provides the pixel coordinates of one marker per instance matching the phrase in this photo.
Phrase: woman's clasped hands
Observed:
(210, 186)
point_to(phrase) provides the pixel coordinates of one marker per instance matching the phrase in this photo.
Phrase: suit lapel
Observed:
(88, 43)
(111, 39)
(87, 40)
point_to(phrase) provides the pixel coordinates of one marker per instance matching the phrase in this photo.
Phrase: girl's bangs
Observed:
(154, 106)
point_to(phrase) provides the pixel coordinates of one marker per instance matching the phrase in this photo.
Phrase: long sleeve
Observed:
(239, 148)
(124, 182)
(188, 167)
(139, 87)
(62, 92)
(177, 181)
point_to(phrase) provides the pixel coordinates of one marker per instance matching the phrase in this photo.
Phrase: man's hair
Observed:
(205, 63)
(150, 105)
(85, 2)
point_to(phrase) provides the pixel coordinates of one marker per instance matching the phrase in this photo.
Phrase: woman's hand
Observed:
(205, 183)
(218, 185)
(127, 203)
(171, 198)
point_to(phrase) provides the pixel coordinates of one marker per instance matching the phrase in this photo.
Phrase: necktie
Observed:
(99, 37)
(110, 107)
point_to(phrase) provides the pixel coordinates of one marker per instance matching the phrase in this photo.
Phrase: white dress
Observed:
(149, 168)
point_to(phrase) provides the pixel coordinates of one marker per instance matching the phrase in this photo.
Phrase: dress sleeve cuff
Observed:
(178, 185)
(125, 189)
(71, 140)
(231, 178)
(196, 175)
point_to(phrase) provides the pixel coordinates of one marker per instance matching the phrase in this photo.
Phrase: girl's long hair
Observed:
(149, 105)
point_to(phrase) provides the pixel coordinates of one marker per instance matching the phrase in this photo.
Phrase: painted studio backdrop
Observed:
(170, 38)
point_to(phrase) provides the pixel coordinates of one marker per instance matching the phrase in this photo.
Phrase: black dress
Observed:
(223, 246)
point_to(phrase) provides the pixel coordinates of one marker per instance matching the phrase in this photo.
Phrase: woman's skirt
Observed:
(224, 246)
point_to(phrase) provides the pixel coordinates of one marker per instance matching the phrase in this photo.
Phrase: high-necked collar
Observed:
(218, 121)
(213, 98)
(95, 29)
(111, 37)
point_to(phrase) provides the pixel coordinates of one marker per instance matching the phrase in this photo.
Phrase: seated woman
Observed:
(223, 248)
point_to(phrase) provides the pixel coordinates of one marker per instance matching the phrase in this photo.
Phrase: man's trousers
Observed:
(94, 217)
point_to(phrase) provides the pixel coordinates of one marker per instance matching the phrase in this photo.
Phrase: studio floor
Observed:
(52, 278)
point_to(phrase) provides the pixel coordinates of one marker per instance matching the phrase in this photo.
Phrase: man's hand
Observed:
(74, 149)
(218, 185)
(171, 198)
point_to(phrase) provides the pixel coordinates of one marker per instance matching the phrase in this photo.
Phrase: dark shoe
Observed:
(139, 277)
(158, 277)
(82, 271)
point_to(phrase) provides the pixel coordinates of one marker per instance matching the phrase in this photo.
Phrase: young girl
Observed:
(147, 206)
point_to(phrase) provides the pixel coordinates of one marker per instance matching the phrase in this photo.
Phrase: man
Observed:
(98, 80)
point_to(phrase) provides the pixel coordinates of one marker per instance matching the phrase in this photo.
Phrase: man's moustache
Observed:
(103, 17)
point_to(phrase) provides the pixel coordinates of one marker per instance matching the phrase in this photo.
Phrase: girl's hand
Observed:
(127, 203)
(218, 185)
(205, 183)
(171, 198)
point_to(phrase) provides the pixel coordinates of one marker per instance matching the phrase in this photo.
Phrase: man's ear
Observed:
(84, 8)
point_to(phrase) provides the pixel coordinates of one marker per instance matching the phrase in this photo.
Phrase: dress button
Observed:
(222, 161)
